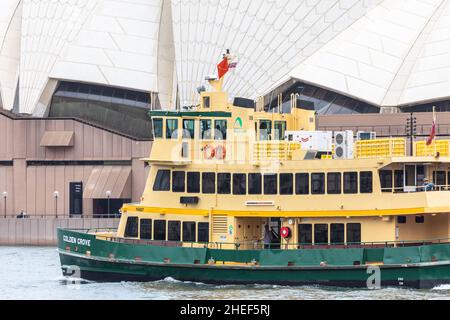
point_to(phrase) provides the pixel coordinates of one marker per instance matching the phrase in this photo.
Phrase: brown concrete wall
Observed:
(42, 232)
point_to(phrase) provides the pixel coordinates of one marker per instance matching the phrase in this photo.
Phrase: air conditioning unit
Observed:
(343, 145)
(362, 135)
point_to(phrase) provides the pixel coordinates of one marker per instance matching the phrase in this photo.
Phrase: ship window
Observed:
(398, 180)
(188, 129)
(206, 129)
(318, 183)
(223, 183)
(209, 183)
(286, 183)
(174, 229)
(366, 182)
(206, 102)
(203, 232)
(162, 181)
(279, 130)
(132, 227)
(254, 183)
(265, 130)
(440, 178)
(386, 180)
(420, 219)
(220, 130)
(159, 229)
(270, 184)
(320, 234)
(146, 229)
(172, 129)
(305, 234)
(302, 183)
(334, 183)
(239, 184)
(350, 182)
(337, 233)
(157, 128)
(402, 219)
(193, 182)
(178, 181)
(188, 231)
(353, 233)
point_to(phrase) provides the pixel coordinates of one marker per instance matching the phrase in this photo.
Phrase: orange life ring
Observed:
(209, 152)
(285, 233)
(221, 152)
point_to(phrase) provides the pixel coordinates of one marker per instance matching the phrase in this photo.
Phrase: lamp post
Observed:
(5, 195)
(56, 195)
(108, 195)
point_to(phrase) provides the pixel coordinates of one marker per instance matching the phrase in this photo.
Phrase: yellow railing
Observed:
(274, 150)
(438, 146)
(394, 147)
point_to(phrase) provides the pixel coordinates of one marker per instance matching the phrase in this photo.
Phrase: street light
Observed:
(5, 195)
(108, 195)
(56, 195)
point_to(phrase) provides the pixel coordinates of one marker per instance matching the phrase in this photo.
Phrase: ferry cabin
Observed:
(221, 172)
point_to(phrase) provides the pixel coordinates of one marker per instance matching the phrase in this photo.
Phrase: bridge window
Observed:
(366, 182)
(157, 128)
(178, 181)
(353, 233)
(398, 180)
(174, 230)
(334, 183)
(286, 183)
(320, 234)
(209, 183)
(206, 129)
(239, 184)
(188, 231)
(318, 183)
(254, 183)
(265, 130)
(280, 129)
(203, 232)
(337, 233)
(223, 183)
(188, 129)
(146, 229)
(220, 132)
(386, 180)
(302, 183)
(350, 182)
(132, 227)
(193, 182)
(162, 181)
(172, 129)
(159, 230)
(270, 184)
(305, 234)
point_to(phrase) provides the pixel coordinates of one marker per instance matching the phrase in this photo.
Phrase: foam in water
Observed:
(442, 287)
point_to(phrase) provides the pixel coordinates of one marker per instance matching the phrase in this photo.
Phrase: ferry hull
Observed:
(98, 259)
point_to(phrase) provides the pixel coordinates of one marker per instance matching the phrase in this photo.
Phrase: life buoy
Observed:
(285, 233)
(209, 152)
(221, 152)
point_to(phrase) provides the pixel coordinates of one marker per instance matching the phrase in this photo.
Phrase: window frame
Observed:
(190, 130)
(178, 190)
(220, 179)
(170, 131)
(170, 225)
(141, 225)
(353, 187)
(309, 234)
(193, 182)
(337, 183)
(273, 184)
(283, 189)
(156, 233)
(205, 184)
(161, 135)
(349, 233)
(158, 185)
(326, 231)
(361, 185)
(252, 188)
(323, 186)
(193, 238)
(135, 226)
(337, 233)
(240, 185)
(299, 189)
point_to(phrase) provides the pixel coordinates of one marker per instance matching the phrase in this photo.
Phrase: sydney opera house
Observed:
(77, 78)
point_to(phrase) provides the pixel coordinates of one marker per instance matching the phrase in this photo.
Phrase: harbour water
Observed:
(34, 273)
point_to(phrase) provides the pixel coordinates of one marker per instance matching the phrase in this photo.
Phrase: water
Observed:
(34, 273)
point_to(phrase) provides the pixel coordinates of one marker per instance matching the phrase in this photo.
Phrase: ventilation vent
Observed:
(220, 224)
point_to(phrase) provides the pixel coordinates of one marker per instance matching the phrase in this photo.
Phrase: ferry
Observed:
(237, 194)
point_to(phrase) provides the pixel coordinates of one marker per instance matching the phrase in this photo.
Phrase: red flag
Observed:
(223, 67)
(433, 130)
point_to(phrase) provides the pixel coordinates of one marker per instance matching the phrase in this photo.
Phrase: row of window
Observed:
(267, 184)
(188, 129)
(329, 234)
(162, 230)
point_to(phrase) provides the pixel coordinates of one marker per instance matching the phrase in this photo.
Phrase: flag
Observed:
(223, 67)
(433, 129)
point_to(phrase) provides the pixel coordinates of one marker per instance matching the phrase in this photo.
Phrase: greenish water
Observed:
(34, 273)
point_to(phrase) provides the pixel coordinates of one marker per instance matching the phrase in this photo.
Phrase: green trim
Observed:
(212, 114)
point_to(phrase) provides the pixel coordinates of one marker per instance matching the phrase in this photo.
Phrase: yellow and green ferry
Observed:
(239, 195)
